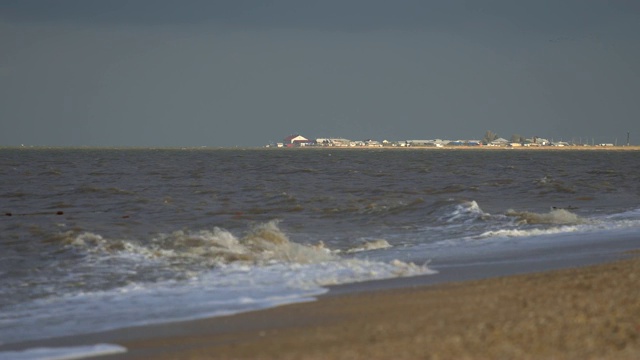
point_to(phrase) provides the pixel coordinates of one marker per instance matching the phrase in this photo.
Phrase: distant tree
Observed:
(489, 136)
(515, 138)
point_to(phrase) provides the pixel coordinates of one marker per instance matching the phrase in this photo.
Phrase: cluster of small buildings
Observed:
(300, 141)
(297, 140)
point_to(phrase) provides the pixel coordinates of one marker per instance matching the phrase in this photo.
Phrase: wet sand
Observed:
(580, 313)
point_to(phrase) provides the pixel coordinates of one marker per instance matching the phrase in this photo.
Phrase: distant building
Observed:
(371, 142)
(296, 140)
(499, 142)
(536, 141)
(340, 142)
(332, 142)
(427, 143)
(420, 143)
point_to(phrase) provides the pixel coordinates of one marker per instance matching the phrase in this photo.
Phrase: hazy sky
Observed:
(245, 73)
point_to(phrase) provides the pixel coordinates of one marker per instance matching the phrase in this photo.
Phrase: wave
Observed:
(450, 189)
(464, 212)
(632, 214)
(454, 220)
(378, 207)
(560, 221)
(185, 275)
(264, 243)
(90, 262)
(555, 217)
(370, 245)
(528, 232)
(187, 251)
(548, 184)
(88, 189)
(527, 223)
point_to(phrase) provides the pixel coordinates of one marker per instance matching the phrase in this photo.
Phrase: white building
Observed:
(499, 142)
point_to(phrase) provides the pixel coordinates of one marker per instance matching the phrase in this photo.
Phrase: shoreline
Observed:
(577, 313)
(593, 310)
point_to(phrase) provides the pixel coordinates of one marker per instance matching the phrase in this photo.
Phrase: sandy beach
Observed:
(579, 313)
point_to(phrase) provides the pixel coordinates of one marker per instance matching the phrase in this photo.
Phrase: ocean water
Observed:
(100, 239)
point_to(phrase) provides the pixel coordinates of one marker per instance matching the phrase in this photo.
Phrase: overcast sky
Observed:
(246, 73)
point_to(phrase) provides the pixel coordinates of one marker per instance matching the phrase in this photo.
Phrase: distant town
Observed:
(490, 139)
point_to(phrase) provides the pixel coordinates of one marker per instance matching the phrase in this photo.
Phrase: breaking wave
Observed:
(528, 232)
(526, 223)
(184, 275)
(188, 253)
(370, 245)
(264, 243)
(557, 221)
(554, 217)
(464, 212)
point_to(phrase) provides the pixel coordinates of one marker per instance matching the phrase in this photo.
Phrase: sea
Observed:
(101, 239)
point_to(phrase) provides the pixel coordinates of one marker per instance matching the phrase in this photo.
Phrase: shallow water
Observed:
(95, 239)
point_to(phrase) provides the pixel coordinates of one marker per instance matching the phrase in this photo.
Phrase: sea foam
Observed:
(63, 353)
(231, 274)
(528, 232)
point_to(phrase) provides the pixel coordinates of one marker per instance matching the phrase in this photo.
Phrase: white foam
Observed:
(567, 221)
(228, 289)
(528, 232)
(464, 212)
(63, 353)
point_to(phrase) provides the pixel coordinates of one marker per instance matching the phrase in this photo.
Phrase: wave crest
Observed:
(370, 245)
(263, 244)
(528, 232)
(555, 217)
(464, 212)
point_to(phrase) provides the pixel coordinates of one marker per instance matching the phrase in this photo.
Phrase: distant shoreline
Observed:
(305, 148)
(479, 148)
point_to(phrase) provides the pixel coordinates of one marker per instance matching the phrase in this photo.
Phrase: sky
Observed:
(251, 72)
